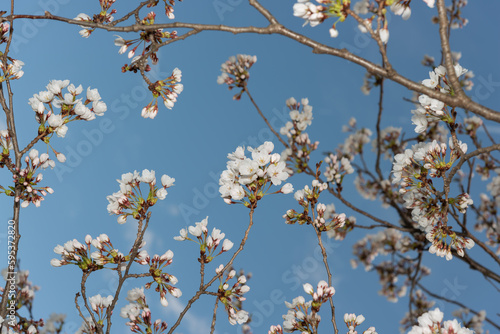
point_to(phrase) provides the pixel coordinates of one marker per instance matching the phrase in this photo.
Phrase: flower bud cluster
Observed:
(432, 109)
(72, 107)
(74, 252)
(308, 199)
(352, 321)
(232, 296)
(168, 89)
(104, 16)
(300, 146)
(129, 201)
(11, 71)
(438, 236)
(335, 230)
(163, 280)
(336, 170)
(414, 170)
(99, 304)
(235, 72)
(303, 316)
(139, 314)
(252, 178)
(317, 14)
(208, 243)
(24, 290)
(149, 39)
(169, 9)
(27, 179)
(430, 322)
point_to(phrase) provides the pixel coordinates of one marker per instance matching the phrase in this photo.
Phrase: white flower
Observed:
(135, 294)
(61, 131)
(287, 188)
(333, 32)
(99, 107)
(75, 91)
(227, 245)
(61, 157)
(93, 94)
(55, 262)
(148, 177)
(161, 193)
(384, 35)
(55, 121)
(167, 181)
(308, 288)
(430, 3)
(182, 236)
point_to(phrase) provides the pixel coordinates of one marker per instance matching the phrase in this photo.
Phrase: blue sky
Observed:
(191, 143)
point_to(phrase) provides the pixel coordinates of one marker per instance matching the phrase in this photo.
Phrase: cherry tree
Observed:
(437, 181)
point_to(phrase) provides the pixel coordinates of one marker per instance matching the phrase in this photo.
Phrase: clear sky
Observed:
(191, 142)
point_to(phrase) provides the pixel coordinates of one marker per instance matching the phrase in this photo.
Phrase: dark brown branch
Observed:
(318, 48)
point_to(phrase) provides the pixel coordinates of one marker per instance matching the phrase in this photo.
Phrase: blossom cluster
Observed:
(99, 304)
(352, 321)
(129, 201)
(168, 89)
(74, 252)
(12, 70)
(169, 9)
(252, 178)
(235, 72)
(414, 170)
(104, 16)
(24, 290)
(72, 107)
(297, 154)
(308, 199)
(386, 243)
(163, 280)
(431, 109)
(303, 316)
(232, 296)
(354, 143)
(208, 243)
(149, 39)
(431, 322)
(339, 231)
(336, 169)
(317, 14)
(139, 314)
(27, 179)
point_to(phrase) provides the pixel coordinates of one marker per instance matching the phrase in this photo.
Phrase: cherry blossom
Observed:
(248, 180)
